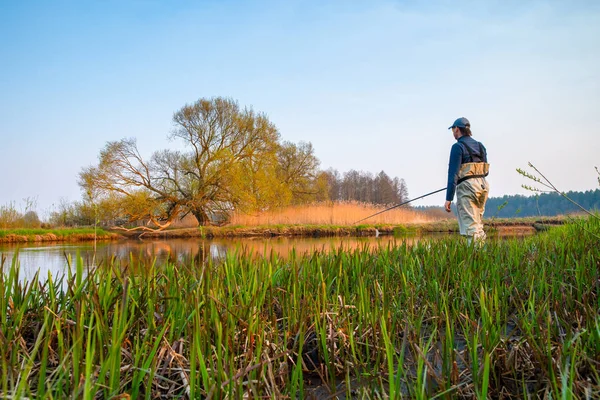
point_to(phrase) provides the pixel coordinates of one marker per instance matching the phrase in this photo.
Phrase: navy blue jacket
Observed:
(458, 156)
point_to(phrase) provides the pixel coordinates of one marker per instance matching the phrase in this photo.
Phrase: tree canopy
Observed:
(234, 159)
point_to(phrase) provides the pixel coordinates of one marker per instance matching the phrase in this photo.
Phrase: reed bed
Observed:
(332, 213)
(439, 319)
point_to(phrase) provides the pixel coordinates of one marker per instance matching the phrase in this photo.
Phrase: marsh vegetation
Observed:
(516, 318)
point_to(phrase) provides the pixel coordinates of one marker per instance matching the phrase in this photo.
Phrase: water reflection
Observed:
(55, 258)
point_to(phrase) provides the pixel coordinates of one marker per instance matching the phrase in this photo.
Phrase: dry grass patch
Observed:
(330, 213)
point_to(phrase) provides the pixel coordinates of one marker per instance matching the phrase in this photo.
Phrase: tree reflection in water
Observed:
(52, 258)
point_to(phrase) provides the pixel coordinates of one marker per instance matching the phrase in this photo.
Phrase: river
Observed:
(55, 258)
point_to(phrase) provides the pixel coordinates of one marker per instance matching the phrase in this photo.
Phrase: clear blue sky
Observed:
(372, 84)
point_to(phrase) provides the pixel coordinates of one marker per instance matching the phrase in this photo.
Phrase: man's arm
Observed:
(447, 205)
(453, 167)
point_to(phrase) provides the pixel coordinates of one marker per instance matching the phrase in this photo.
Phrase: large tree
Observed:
(233, 160)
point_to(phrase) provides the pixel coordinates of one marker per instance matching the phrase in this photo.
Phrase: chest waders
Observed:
(471, 195)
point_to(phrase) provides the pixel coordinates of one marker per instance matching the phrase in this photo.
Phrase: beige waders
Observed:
(471, 194)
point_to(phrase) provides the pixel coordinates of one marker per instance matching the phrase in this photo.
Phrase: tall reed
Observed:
(332, 213)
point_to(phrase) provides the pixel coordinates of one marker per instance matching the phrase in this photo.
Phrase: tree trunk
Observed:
(201, 216)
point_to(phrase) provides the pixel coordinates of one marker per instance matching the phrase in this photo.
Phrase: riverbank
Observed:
(211, 232)
(514, 226)
(55, 235)
(507, 226)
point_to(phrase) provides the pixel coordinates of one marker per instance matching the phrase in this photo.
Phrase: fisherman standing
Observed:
(467, 170)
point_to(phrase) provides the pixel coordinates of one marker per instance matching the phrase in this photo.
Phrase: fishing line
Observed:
(401, 204)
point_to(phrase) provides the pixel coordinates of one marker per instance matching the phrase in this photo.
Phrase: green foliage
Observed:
(402, 230)
(57, 232)
(361, 227)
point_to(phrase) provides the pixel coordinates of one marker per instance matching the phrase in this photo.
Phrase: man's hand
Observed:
(447, 206)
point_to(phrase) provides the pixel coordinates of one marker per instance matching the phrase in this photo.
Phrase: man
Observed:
(467, 170)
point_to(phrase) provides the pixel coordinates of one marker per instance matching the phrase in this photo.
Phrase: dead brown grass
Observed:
(330, 213)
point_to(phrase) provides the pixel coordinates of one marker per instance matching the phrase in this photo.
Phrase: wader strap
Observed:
(464, 178)
(480, 155)
(481, 159)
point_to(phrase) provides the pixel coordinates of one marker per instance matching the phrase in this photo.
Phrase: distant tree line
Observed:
(12, 217)
(365, 187)
(544, 204)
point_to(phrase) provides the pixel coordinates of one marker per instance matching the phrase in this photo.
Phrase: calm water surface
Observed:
(54, 258)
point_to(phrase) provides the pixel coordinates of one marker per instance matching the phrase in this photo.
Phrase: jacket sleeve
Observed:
(484, 153)
(453, 167)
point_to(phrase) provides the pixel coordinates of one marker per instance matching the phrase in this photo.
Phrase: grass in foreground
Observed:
(512, 319)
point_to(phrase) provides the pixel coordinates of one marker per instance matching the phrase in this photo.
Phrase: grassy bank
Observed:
(308, 230)
(268, 231)
(54, 235)
(300, 230)
(515, 318)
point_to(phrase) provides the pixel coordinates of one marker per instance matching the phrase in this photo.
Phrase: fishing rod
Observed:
(401, 204)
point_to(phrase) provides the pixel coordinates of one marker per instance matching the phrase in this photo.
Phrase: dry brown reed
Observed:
(333, 213)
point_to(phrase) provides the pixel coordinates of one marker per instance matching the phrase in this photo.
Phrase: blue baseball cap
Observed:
(462, 122)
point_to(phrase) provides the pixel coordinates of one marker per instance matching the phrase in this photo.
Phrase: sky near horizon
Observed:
(373, 85)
